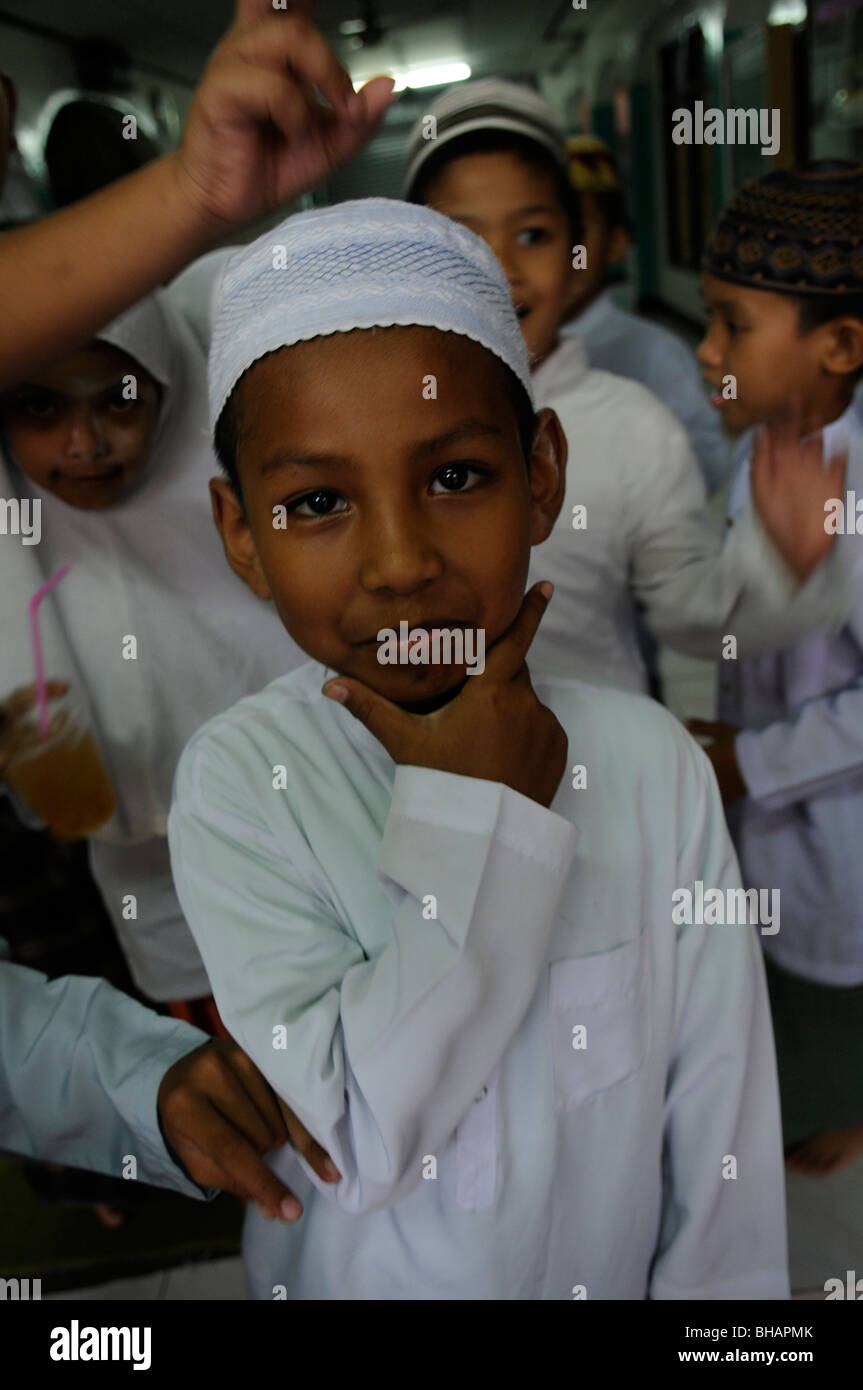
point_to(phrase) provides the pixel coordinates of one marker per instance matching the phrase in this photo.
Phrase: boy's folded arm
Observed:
(696, 589)
(379, 1058)
(790, 760)
(679, 574)
(723, 1225)
(794, 759)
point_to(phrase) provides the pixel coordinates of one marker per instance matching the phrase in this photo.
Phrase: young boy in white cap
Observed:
(436, 905)
(633, 533)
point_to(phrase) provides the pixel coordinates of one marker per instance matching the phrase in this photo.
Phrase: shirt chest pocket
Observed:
(599, 1018)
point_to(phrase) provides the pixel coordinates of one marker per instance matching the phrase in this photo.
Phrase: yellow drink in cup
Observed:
(61, 777)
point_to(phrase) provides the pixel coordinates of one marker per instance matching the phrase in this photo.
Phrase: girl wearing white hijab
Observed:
(118, 490)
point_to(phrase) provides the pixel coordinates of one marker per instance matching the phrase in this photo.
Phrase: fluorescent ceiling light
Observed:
(711, 28)
(787, 12)
(438, 75)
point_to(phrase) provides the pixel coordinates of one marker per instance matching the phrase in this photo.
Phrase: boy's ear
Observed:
(841, 349)
(617, 245)
(547, 473)
(240, 549)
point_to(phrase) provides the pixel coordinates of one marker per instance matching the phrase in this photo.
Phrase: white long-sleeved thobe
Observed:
(647, 540)
(800, 829)
(530, 1080)
(620, 342)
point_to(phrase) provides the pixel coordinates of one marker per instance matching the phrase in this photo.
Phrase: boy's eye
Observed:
(38, 404)
(120, 403)
(321, 502)
(453, 477)
(532, 236)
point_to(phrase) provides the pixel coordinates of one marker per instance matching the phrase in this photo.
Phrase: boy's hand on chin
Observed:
(790, 485)
(495, 728)
(256, 135)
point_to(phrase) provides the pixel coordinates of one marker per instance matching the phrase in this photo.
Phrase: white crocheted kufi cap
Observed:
(373, 262)
(492, 103)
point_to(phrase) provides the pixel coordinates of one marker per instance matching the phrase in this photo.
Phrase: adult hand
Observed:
(220, 1115)
(257, 133)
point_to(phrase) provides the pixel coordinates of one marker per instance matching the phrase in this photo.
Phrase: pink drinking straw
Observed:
(38, 658)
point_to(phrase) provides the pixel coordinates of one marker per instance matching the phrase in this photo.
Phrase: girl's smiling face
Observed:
(74, 431)
(397, 508)
(515, 208)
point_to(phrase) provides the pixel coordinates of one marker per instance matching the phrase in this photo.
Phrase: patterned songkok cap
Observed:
(795, 231)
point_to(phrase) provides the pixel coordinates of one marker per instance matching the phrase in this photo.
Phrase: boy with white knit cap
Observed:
(633, 534)
(436, 905)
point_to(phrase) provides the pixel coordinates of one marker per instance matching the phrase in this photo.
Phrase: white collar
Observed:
(838, 435)
(561, 370)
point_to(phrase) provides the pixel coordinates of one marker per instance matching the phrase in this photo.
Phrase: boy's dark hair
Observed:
(502, 142)
(614, 210)
(818, 309)
(227, 431)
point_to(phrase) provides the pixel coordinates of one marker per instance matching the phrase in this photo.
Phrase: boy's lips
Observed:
(441, 625)
(716, 398)
(107, 475)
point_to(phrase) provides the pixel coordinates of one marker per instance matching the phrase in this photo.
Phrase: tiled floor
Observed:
(209, 1279)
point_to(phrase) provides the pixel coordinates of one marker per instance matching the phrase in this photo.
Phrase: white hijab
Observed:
(151, 567)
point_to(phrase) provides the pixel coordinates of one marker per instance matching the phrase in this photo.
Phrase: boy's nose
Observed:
(707, 352)
(398, 560)
(501, 247)
(86, 438)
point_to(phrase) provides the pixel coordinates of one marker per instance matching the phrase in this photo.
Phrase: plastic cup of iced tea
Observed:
(59, 777)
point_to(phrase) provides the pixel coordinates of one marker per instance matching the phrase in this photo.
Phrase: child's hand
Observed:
(790, 485)
(495, 728)
(721, 754)
(256, 135)
(220, 1115)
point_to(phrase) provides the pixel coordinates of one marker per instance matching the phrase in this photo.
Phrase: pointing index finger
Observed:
(506, 657)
